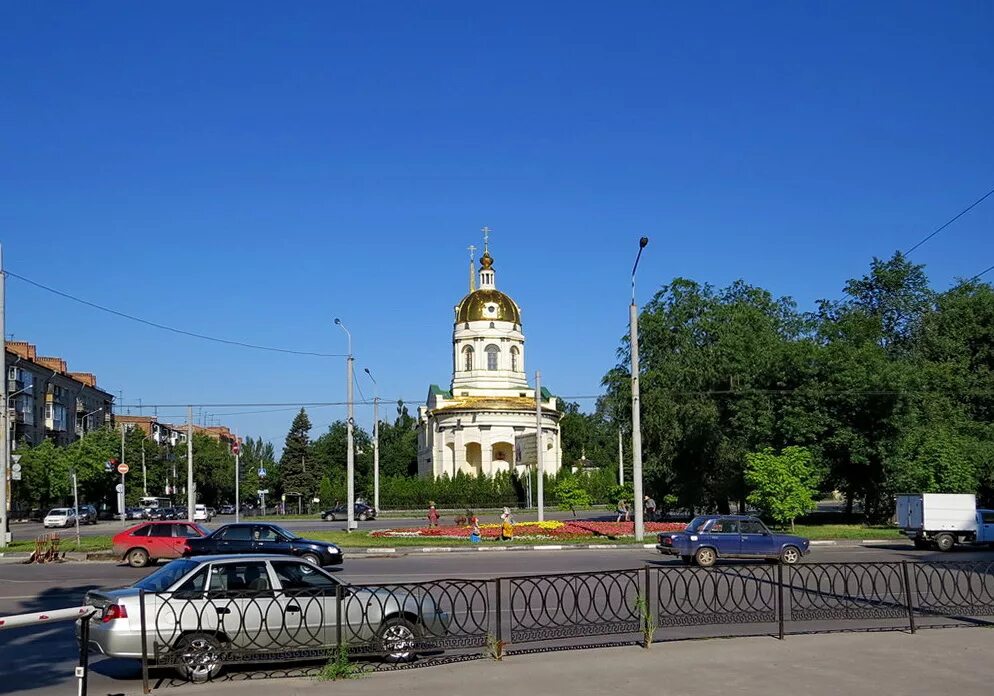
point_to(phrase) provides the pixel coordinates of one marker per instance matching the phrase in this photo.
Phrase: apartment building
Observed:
(48, 401)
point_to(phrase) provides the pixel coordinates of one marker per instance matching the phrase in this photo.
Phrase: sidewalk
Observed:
(942, 661)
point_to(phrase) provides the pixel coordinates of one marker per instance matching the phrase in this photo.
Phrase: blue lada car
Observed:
(710, 537)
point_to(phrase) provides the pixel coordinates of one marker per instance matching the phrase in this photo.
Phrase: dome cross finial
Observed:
(486, 238)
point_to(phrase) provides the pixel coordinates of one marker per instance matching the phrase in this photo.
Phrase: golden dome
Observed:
(487, 305)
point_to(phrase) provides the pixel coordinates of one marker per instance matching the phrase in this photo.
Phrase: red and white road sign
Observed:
(122, 468)
(235, 448)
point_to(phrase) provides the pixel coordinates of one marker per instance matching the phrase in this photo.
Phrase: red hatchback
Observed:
(150, 541)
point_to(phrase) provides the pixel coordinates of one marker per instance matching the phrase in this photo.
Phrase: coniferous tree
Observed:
(296, 476)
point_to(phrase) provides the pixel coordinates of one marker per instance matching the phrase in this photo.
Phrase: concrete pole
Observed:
(376, 441)
(238, 469)
(4, 421)
(75, 502)
(539, 446)
(144, 471)
(121, 505)
(621, 460)
(376, 454)
(350, 423)
(633, 321)
(191, 498)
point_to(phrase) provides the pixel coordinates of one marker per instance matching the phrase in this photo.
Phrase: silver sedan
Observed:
(204, 612)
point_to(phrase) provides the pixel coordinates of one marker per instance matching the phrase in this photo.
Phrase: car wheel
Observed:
(137, 558)
(687, 559)
(398, 640)
(705, 557)
(311, 558)
(325, 517)
(362, 517)
(790, 555)
(199, 657)
(945, 542)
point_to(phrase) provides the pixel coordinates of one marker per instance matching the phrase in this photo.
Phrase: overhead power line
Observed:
(983, 272)
(954, 219)
(147, 322)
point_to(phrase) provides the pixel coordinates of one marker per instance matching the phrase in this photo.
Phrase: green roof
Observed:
(438, 391)
(546, 394)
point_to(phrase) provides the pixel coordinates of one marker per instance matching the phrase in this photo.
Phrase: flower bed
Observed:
(550, 529)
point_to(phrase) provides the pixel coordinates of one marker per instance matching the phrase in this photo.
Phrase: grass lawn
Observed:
(67, 543)
(822, 532)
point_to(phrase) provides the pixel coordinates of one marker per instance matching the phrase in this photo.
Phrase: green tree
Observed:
(784, 485)
(399, 445)
(329, 454)
(570, 494)
(257, 455)
(295, 475)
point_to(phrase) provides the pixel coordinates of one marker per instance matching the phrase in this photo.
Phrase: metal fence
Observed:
(386, 624)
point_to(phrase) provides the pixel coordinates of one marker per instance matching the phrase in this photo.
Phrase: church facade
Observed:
(485, 423)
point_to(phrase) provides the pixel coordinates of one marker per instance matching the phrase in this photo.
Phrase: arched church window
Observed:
(493, 352)
(514, 358)
(468, 357)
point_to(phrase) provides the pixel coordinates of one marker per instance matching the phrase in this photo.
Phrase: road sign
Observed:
(119, 488)
(16, 457)
(15, 475)
(262, 473)
(235, 449)
(122, 468)
(16, 468)
(263, 492)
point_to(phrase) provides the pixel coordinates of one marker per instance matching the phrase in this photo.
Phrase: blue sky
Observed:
(252, 170)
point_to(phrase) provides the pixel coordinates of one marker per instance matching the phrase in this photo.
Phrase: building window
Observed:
(492, 354)
(467, 354)
(514, 358)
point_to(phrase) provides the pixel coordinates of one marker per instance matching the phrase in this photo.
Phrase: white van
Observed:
(200, 513)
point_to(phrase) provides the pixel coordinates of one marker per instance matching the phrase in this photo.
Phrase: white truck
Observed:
(942, 520)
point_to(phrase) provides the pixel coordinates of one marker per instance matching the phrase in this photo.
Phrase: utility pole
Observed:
(376, 442)
(539, 446)
(144, 472)
(238, 454)
(350, 456)
(75, 502)
(191, 499)
(621, 459)
(121, 503)
(5, 424)
(633, 321)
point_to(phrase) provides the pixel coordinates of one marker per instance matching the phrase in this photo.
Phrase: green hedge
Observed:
(465, 491)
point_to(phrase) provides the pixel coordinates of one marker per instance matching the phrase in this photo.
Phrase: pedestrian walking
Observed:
(623, 511)
(506, 525)
(474, 534)
(650, 509)
(432, 515)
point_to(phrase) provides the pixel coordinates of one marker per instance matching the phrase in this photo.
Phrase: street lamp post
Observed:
(376, 443)
(633, 321)
(350, 456)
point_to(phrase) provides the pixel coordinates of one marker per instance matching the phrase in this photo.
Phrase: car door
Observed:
(181, 532)
(234, 539)
(309, 600)
(267, 540)
(724, 535)
(240, 595)
(985, 532)
(160, 541)
(756, 539)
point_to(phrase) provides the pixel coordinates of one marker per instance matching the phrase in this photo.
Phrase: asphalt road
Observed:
(43, 658)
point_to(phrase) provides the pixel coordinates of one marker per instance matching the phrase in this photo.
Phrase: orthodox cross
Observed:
(472, 253)
(486, 238)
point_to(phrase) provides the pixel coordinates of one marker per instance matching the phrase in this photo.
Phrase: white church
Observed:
(474, 426)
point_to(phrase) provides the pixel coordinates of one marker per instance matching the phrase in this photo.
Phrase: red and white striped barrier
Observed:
(19, 620)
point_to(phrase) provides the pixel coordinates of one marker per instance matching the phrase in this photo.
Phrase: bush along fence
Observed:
(408, 624)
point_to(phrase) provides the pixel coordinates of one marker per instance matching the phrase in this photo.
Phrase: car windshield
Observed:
(287, 534)
(166, 576)
(696, 524)
(59, 511)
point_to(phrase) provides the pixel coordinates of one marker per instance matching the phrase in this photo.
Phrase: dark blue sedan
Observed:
(710, 537)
